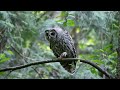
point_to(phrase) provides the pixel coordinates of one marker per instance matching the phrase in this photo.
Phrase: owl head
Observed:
(52, 34)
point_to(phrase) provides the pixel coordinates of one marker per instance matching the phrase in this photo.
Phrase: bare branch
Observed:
(59, 60)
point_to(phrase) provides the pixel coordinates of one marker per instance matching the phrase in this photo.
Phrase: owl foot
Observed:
(63, 55)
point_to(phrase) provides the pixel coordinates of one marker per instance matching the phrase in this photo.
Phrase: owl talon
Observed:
(63, 55)
(60, 58)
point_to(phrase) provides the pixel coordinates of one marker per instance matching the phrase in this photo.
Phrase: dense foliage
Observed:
(95, 33)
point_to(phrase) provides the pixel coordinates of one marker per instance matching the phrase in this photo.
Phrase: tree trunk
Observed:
(75, 38)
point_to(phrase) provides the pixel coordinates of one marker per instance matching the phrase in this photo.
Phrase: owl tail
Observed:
(69, 66)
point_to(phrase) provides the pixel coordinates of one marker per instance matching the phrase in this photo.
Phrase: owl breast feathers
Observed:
(62, 45)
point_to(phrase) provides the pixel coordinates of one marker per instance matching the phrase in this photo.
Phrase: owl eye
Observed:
(46, 34)
(52, 33)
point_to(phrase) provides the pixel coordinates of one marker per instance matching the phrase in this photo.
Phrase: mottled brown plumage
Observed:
(62, 45)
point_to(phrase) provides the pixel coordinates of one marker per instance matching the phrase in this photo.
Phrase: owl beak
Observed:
(49, 37)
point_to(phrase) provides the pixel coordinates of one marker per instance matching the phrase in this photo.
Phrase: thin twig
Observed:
(59, 60)
(24, 59)
(8, 74)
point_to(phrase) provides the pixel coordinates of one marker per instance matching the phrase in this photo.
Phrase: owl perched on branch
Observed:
(62, 46)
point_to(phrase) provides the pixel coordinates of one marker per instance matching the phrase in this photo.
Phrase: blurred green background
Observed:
(95, 33)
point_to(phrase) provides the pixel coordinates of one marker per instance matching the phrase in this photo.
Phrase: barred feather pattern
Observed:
(62, 42)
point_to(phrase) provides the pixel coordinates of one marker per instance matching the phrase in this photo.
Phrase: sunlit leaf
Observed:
(9, 51)
(101, 50)
(98, 62)
(70, 22)
(2, 56)
(4, 60)
(63, 14)
(94, 71)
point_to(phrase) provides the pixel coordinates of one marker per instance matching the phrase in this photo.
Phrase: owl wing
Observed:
(55, 49)
(69, 44)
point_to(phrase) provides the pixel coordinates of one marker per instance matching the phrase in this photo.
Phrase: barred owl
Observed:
(62, 46)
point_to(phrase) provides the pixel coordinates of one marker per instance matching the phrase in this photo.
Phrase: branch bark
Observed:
(59, 60)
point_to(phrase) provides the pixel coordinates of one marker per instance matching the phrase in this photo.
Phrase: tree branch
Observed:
(59, 60)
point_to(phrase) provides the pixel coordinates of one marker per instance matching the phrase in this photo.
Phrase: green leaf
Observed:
(4, 60)
(9, 24)
(10, 52)
(115, 26)
(65, 24)
(93, 70)
(60, 21)
(64, 13)
(101, 50)
(98, 61)
(2, 73)
(2, 56)
(70, 22)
